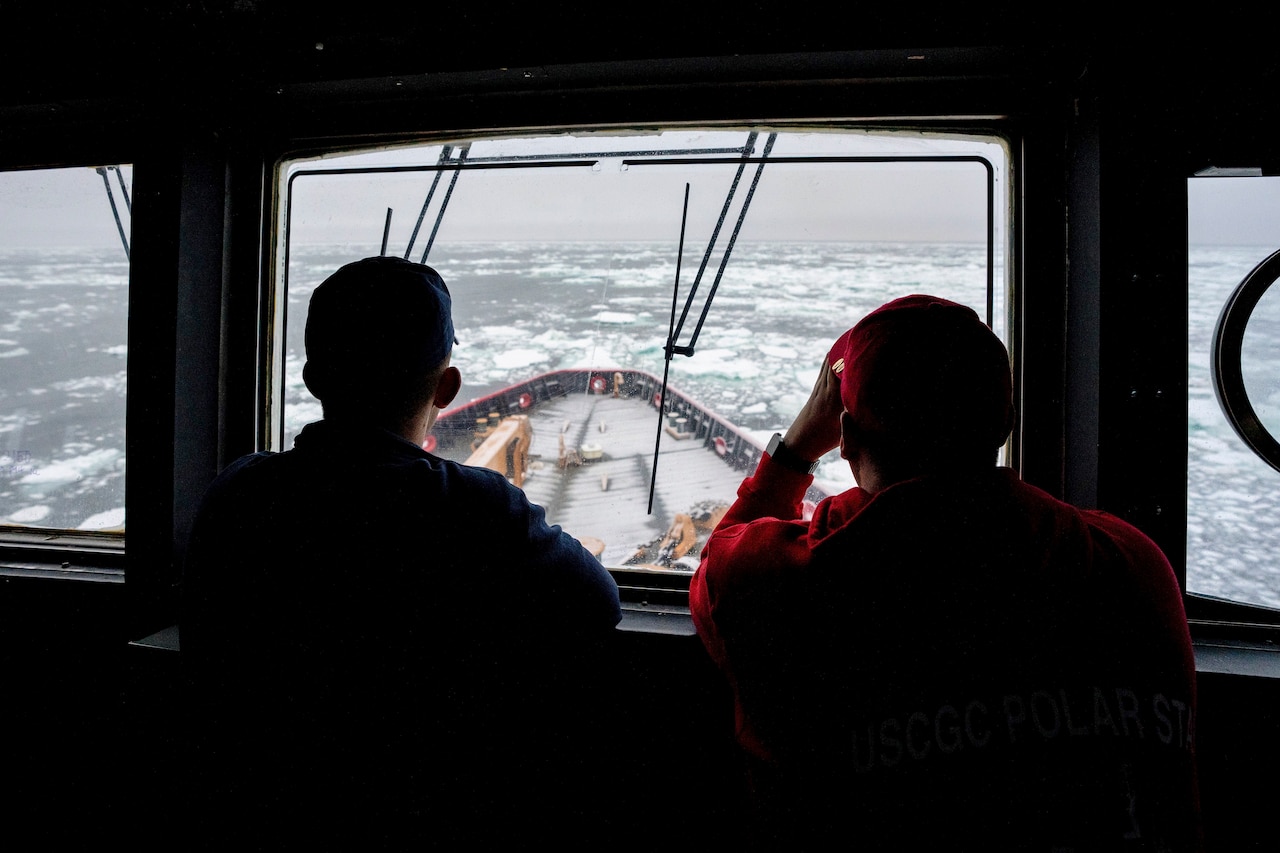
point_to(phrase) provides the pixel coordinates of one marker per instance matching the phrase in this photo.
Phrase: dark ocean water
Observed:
(63, 348)
(523, 309)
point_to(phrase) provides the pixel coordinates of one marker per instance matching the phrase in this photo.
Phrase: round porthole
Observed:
(1245, 360)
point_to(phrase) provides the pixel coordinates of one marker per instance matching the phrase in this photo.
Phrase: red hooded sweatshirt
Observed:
(958, 660)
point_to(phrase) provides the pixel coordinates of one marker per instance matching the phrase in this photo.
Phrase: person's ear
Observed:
(449, 386)
(312, 381)
(848, 436)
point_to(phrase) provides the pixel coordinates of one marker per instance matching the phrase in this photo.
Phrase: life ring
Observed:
(526, 400)
(657, 399)
(722, 447)
(597, 384)
(430, 444)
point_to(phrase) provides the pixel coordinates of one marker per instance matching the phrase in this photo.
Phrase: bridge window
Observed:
(1233, 468)
(575, 260)
(64, 306)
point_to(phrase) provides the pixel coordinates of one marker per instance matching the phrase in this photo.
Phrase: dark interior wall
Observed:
(1238, 742)
(62, 647)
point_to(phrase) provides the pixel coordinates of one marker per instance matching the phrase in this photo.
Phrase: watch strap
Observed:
(787, 458)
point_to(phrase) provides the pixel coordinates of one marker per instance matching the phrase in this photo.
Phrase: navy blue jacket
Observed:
(369, 629)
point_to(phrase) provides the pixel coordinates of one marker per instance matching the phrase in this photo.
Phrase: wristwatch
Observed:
(779, 453)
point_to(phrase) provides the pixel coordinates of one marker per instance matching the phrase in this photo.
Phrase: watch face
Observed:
(779, 453)
(772, 449)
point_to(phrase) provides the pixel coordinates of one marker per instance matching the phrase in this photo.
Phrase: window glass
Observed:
(64, 278)
(1232, 536)
(563, 256)
(1259, 358)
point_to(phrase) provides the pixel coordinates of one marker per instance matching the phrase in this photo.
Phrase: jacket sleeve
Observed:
(560, 581)
(762, 535)
(570, 576)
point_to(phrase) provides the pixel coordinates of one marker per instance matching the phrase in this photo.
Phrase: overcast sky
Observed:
(60, 207)
(920, 201)
(1234, 211)
(869, 201)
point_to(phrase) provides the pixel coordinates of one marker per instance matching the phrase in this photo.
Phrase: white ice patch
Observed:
(303, 412)
(89, 386)
(834, 475)
(616, 318)
(109, 520)
(30, 515)
(71, 470)
(790, 403)
(719, 362)
(517, 358)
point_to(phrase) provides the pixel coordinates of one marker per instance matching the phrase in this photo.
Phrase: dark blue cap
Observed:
(376, 323)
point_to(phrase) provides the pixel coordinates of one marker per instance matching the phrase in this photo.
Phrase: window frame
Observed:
(652, 601)
(302, 118)
(34, 551)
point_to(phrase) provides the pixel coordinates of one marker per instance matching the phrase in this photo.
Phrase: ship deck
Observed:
(596, 484)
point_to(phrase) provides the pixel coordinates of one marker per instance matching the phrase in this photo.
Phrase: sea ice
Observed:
(73, 469)
(30, 514)
(512, 359)
(112, 518)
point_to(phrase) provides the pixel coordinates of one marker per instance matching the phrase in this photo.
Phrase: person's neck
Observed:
(412, 429)
(415, 429)
(872, 477)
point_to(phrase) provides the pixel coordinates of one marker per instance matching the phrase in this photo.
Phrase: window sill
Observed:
(1236, 648)
(647, 619)
(67, 555)
(1222, 658)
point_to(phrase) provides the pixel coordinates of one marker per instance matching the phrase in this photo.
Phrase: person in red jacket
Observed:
(943, 654)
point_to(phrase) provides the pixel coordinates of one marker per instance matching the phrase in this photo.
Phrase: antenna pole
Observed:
(386, 230)
(666, 368)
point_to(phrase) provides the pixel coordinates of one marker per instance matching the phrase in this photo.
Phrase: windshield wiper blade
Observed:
(115, 211)
(445, 157)
(688, 348)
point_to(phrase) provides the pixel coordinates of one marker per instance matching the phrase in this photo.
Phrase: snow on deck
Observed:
(608, 498)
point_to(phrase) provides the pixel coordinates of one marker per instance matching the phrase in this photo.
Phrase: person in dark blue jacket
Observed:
(384, 647)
